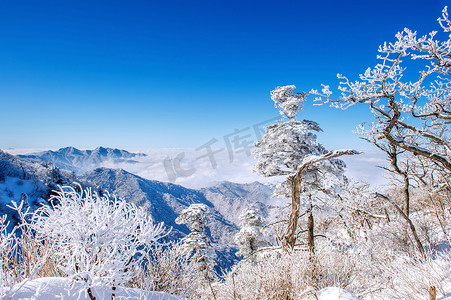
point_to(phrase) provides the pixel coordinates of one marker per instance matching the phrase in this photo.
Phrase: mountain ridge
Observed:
(80, 161)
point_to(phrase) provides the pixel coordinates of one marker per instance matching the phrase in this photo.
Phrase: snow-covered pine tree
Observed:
(289, 148)
(197, 245)
(250, 238)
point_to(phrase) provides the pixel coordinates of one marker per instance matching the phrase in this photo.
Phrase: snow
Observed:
(63, 288)
(287, 101)
(447, 289)
(227, 199)
(335, 293)
(13, 188)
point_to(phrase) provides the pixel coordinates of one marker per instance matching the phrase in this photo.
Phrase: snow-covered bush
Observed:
(6, 246)
(22, 255)
(412, 276)
(97, 239)
(287, 275)
(169, 270)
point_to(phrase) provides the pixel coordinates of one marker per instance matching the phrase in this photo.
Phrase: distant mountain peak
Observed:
(102, 151)
(80, 161)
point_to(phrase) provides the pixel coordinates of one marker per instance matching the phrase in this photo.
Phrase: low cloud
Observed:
(196, 169)
(364, 167)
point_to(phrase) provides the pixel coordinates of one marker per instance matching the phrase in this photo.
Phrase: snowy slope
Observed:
(334, 293)
(63, 288)
(231, 198)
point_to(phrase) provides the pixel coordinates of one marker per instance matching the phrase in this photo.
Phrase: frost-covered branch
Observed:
(97, 239)
(405, 217)
(418, 107)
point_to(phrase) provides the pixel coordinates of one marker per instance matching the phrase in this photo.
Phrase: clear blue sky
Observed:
(142, 74)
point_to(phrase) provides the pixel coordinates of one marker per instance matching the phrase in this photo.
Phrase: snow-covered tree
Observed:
(408, 93)
(289, 148)
(197, 245)
(97, 239)
(250, 237)
(409, 100)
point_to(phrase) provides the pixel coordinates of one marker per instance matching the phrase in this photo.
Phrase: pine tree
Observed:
(289, 148)
(250, 237)
(197, 245)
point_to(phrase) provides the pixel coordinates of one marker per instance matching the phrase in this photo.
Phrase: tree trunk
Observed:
(289, 237)
(91, 296)
(411, 226)
(432, 293)
(311, 233)
(406, 194)
(393, 154)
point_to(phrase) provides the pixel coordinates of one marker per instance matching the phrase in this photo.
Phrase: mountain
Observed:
(231, 198)
(164, 201)
(80, 161)
(33, 181)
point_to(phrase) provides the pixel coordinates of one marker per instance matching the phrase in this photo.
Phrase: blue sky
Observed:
(150, 74)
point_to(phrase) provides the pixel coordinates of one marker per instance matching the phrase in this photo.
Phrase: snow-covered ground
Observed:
(334, 293)
(63, 288)
(13, 188)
